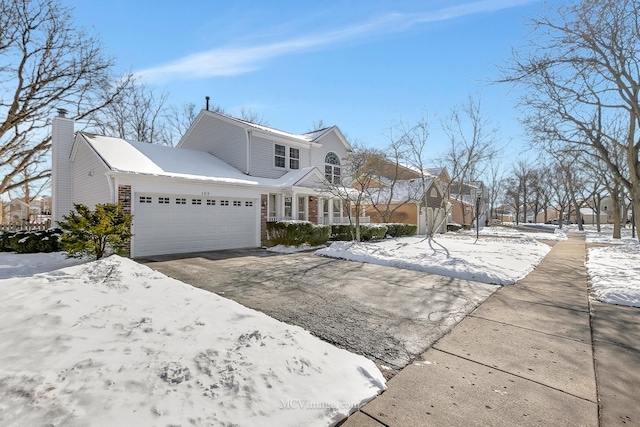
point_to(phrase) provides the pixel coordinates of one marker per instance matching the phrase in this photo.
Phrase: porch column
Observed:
(294, 205)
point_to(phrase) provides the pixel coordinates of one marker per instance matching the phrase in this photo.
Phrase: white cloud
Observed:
(233, 60)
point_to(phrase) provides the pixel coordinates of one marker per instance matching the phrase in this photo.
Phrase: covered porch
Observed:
(305, 206)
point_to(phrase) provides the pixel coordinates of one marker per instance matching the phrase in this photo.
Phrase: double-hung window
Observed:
(280, 156)
(294, 158)
(286, 157)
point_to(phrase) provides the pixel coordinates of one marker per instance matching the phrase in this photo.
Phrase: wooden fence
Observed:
(25, 227)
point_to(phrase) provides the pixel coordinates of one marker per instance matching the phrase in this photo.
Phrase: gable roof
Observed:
(141, 158)
(309, 137)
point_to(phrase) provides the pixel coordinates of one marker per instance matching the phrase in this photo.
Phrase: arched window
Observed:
(332, 167)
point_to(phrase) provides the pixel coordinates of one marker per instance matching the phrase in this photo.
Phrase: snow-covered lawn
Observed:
(614, 271)
(499, 231)
(112, 342)
(13, 264)
(615, 274)
(494, 260)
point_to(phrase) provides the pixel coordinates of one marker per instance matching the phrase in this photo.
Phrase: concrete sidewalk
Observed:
(527, 356)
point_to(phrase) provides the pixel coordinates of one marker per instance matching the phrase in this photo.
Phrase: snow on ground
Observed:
(614, 270)
(13, 264)
(553, 232)
(112, 342)
(615, 274)
(592, 235)
(283, 249)
(494, 260)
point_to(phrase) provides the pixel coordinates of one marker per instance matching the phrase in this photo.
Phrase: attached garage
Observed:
(174, 223)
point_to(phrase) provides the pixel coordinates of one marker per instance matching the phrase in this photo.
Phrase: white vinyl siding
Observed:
(262, 158)
(330, 142)
(225, 140)
(90, 185)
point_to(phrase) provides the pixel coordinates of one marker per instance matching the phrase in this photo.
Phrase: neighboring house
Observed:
(17, 211)
(589, 216)
(552, 214)
(216, 189)
(404, 195)
(465, 198)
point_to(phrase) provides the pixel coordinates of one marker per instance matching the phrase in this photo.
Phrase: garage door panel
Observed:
(174, 228)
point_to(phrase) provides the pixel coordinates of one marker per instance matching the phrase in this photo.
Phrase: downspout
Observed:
(111, 181)
(248, 168)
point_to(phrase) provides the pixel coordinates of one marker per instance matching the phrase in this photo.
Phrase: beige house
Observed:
(403, 195)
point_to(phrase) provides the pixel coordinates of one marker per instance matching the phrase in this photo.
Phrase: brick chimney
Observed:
(62, 138)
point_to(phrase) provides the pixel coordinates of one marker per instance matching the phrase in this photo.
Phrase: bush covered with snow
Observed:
(296, 233)
(29, 242)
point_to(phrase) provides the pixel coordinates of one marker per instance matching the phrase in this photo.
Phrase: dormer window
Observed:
(332, 168)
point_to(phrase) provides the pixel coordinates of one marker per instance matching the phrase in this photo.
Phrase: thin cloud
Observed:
(233, 60)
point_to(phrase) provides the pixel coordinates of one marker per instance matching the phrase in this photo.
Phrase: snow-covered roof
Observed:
(142, 158)
(403, 191)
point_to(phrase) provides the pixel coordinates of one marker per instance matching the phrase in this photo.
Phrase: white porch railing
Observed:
(344, 220)
(323, 221)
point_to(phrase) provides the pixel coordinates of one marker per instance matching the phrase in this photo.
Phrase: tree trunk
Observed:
(615, 205)
(636, 208)
(597, 199)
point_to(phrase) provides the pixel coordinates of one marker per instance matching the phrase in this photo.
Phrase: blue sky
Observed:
(361, 65)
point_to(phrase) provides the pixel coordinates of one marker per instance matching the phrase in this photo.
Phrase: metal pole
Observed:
(477, 218)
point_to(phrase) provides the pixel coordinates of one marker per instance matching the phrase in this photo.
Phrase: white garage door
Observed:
(169, 223)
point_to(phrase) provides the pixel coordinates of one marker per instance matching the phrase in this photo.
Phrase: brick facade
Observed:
(313, 209)
(124, 200)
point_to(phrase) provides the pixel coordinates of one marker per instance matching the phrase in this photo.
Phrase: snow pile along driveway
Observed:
(493, 260)
(114, 343)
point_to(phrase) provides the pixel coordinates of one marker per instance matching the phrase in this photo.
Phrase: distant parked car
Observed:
(552, 221)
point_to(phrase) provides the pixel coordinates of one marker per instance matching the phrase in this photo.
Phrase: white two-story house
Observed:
(216, 189)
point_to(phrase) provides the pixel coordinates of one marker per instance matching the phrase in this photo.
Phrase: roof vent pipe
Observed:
(207, 105)
(62, 112)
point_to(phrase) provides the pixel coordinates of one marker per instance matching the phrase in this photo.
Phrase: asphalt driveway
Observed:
(387, 314)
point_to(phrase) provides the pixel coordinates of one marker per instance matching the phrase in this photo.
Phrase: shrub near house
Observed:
(26, 242)
(95, 233)
(297, 233)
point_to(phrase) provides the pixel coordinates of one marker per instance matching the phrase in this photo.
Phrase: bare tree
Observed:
(472, 144)
(523, 172)
(180, 119)
(512, 196)
(137, 113)
(317, 125)
(47, 62)
(251, 116)
(357, 177)
(410, 142)
(495, 183)
(581, 72)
